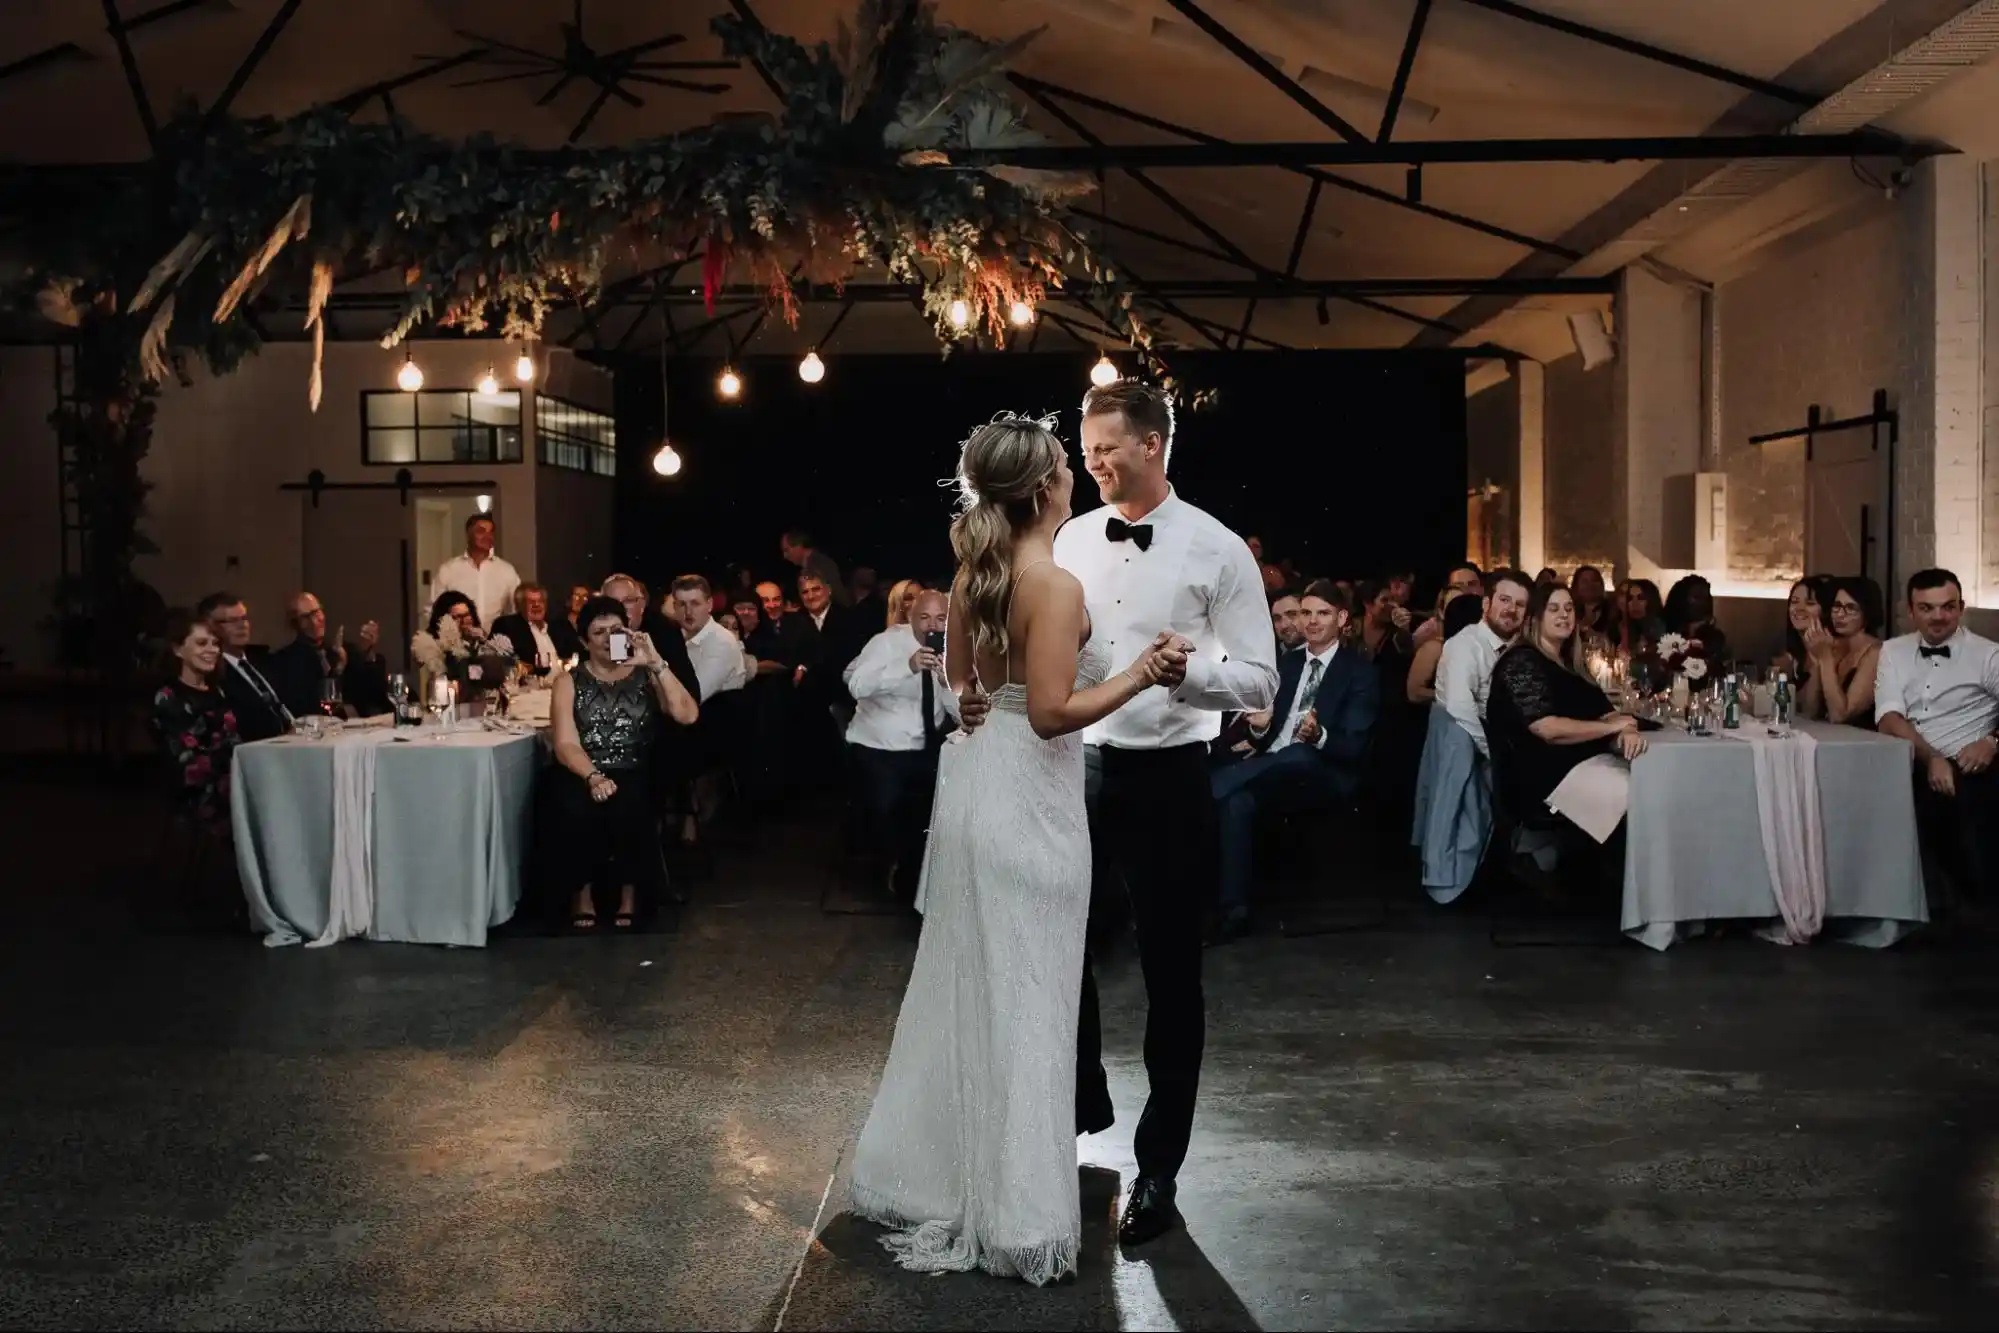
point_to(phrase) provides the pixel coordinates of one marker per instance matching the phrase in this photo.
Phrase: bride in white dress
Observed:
(969, 1153)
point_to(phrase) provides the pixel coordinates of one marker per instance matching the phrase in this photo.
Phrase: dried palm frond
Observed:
(296, 222)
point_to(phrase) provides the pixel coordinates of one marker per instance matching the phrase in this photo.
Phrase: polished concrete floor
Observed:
(1400, 1128)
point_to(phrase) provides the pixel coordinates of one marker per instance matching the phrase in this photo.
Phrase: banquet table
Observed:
(1694, 842)
(415, 835)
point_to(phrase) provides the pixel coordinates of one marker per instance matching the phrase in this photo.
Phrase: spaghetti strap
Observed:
(1008, 619)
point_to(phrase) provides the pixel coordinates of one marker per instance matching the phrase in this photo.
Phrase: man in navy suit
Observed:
(1309, 749)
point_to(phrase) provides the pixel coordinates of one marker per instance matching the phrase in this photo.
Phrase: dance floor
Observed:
(1404, 1128)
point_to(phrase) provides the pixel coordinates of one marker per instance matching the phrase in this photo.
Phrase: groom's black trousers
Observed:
(1152, 836)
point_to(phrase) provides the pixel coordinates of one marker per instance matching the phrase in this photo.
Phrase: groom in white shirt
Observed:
(1149, 561)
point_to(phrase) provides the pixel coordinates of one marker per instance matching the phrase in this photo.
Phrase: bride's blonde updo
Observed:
(1002, 471)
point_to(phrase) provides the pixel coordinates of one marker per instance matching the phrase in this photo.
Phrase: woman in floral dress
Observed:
(195, 722)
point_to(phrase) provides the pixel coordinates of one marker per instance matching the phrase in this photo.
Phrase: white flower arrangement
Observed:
(1695, 669)
(1671, 645)
(439, 652)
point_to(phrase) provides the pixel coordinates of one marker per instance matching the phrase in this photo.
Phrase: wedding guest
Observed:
(799, 548)
(1844, 658)
(578, 595)
(1805, 611)
(903, 709)
(1690, 614)
(460, 609)
(748, 615)
(1938, 689)
(1467, 577)
(1384, 622)
(1274, 578)
(1464, 671)
(666, 638)
(604, 718)
(1546, 716)
(195, 721)
(1451, 817)
(1461, 610)
(865, 597)
(901, 598)
(1643, 623)
(720, 664)
(1284, 619)
(301, 669)
(1311, 745)
(537, 640)
(480, 574)
(1596, 614)
(260, 714)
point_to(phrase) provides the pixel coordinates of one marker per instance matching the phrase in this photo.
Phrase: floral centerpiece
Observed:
(476, 664)
(1684, 657)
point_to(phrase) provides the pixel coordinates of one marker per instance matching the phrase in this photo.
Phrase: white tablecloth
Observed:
(1694, 842)
(445, 834)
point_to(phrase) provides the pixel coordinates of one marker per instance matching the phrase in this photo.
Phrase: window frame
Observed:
(416, 428)
(608, 451)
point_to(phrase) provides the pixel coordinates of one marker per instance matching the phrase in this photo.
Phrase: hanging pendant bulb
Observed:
(667, 462)
(410, 378)
(728, 383)
(812, 369)
(1104, 373)
(961, 314)
(524, 367)
(1022, 314)
(489, 383)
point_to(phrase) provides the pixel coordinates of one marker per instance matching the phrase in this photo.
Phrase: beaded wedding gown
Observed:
(969, 1154)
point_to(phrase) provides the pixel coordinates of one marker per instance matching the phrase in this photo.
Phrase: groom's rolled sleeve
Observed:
(1239, 673)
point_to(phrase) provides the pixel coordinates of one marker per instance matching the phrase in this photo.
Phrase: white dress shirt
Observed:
(718, 660)
(1288, 734)
(1950, 701)
(544, 645)
(888, 696)
(1197, 579)
(1464, 678)
(490, 584)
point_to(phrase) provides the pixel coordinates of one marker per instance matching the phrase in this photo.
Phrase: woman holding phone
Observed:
(605, 717)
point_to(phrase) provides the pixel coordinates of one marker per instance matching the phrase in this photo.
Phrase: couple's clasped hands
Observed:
(1630, 741)
(1164, 663)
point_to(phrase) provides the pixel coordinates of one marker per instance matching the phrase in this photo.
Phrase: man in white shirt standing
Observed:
(480, 574)
(902, 711)
(1464, 671)
(1149, 561)
(1938, 689)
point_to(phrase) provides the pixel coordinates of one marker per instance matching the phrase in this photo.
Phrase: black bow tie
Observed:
(1928, 651)
(1138, 534)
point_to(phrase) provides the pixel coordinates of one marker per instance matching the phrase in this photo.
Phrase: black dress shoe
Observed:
(1149, 1212)
(1222, 930)
(1094, 1115)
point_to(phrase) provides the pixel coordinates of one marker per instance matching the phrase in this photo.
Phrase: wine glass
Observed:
(329, 696)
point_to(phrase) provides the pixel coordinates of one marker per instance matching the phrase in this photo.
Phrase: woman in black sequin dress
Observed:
(605, 717)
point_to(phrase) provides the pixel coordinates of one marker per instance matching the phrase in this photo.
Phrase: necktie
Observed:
(262, 689)
(1138, 534)
(933, 735)
(1307, 694)
(1927, 651)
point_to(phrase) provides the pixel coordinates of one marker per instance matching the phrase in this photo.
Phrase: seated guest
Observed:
(1311, 745)
(1845, 657)
(1467, 577)
(1596, 614)
(1690, 614)
(1452, 817)
(1284, 619)
(1464, 671)
(537, 640)
(260, 714)
(665, 634)
(301, 669)
(901, 598)
(1808, 609)
(719, 661)
(195, 722)
(1545, 716)
(902, 711)
(604, 718)
(1938, 689)
(1643, 622)
(578, 595)
(364, 681)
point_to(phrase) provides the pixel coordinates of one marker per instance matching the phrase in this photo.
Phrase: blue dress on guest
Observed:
(1453, 820)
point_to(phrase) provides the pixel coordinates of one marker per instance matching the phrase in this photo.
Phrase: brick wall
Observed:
(1950, 339)
(1826, 325)
(1584, 485)
(1659, 372)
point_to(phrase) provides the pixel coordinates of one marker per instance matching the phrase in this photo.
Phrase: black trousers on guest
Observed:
(1152, 825)
(1964, 831)
(606, 844)
(896, 787)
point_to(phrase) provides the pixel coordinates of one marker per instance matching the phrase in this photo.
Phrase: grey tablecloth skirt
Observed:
(451, 828)
(1694, 849)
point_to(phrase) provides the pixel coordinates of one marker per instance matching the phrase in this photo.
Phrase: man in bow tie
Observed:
(1938, 689)
(1149, 560)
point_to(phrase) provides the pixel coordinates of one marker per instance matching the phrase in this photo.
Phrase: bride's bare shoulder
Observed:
(1045, 583)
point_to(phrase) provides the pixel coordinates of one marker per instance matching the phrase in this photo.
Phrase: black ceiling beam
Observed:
(1188, 247)
(748, 15)
(1419, 152)
(613, 293)
(1656, 54)
(62, 53)
(160, 13)
(1025, 84)
(1283, 82)
(1304, 231)
(265, 41)
(133, 80)
(360, 97)
(1407, 63)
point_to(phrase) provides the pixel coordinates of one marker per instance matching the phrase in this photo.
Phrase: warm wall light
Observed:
(524, 368)
(961, 314)
(410, 378)
(728, 383)
(1104, 373)
(1022, 314)
(485, 503)
(667, 461)
(489, 383)
(812, 369)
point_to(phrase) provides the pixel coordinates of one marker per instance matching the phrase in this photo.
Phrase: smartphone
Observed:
(621, 645)
(934, 641)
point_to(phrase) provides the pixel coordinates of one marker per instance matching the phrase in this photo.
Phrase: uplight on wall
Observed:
(1104, 373)
(410, 378)
(812, 369)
